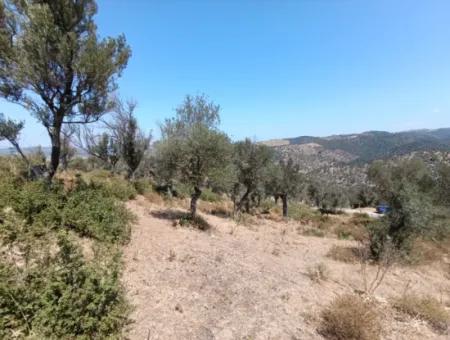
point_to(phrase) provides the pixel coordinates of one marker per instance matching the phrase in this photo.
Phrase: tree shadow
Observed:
(182, 218)
(170, 214)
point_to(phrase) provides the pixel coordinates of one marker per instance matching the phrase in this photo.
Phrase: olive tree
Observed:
(53, 63)
(283, 180)
(406, 187)
(250, 161)
(192, 148)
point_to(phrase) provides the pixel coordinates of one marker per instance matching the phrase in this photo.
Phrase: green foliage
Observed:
(406, 187)
(443, 185)
(47, 288)
(62, 296)
(303, 213)
(142, 186)
(250, 162)
(326, 197)
(131, 141)
(94, 213)
(192, 150)
(209, 196)
(90, 210)
(53, 62)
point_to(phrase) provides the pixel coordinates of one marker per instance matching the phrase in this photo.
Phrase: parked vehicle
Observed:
(383, 208)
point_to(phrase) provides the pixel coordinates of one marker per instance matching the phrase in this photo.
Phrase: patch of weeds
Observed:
(426, 308)
(303, 213)
(210, 196)
(425, 251)
(142, 186)
(346, 231)
(350, 317)
(345, 254)
(313, 232)
(318, 273)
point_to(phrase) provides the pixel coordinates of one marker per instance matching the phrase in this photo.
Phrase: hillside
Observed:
(343, 159)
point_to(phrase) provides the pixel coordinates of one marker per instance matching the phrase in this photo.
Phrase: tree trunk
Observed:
(194, 198)
(242, 201)
(19, 150)
(55, 137)
(285, 205)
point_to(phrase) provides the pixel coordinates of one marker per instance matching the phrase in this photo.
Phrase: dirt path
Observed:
(235, 282)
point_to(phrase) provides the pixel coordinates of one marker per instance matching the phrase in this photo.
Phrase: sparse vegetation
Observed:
(350, 317)
(426, 308)
(345, 254)
(318, 273)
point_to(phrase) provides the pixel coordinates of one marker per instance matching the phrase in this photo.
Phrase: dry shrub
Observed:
(154, 197)
(426, 308)
(351, 231)
(219, 208)
(345, 254)
(313, 232)
(350, 317)
(318, 273)
(427, 251)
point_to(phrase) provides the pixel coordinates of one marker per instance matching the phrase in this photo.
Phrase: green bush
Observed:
(209, 196)
(94, 213)
(142, 186)
(301, 212)
(61, 297)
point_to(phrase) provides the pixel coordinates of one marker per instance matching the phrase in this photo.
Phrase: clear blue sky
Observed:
(284, 68)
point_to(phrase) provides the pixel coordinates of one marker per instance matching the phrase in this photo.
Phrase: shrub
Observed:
(351, 231)
(142, 186)
(426, 308)
(345, 254)
(349, 317)
(318, 273)
(303, 213)
(62, 297)
(209, 196)
(313, 232)
(119, 188)
(94, 213)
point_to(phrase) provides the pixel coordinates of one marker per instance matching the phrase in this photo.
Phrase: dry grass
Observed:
(318, 273)
(350, 317)
(345, 254)
(428, 251)
(220, 208)
(313, 232)
(351, 231)
(154, 197)
(426, 308)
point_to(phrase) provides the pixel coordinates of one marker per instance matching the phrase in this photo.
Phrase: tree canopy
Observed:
(53, 63)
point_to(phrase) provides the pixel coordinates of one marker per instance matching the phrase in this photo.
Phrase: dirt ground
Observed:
(250, 282)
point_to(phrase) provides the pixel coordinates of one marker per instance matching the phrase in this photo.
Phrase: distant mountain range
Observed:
(344, 158)
(371, 145)
(26, 150)
(32, 149)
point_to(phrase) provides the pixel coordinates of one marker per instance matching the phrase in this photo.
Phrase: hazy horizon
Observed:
(282, 69)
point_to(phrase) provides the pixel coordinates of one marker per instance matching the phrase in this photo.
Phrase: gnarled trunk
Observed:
(284, 198)
(243, 200)
(194, 198)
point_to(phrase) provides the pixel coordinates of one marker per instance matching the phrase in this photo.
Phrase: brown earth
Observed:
(250, 282)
